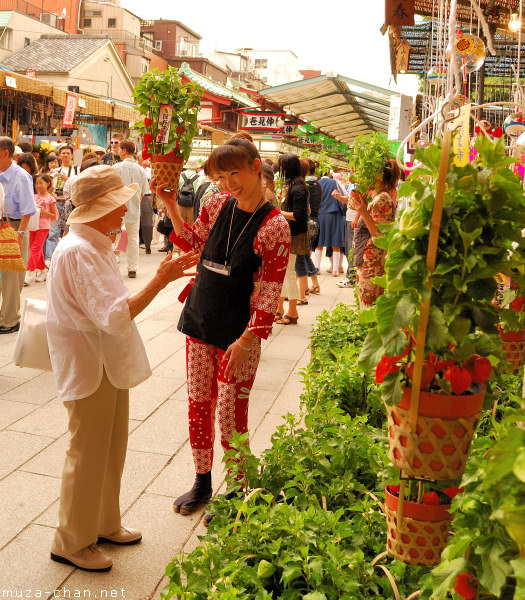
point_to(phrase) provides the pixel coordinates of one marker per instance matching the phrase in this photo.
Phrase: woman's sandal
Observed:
(302, 302)
(315, 289)
(287, 320)
(278, 316)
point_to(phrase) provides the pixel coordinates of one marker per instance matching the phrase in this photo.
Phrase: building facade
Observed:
(275, 67)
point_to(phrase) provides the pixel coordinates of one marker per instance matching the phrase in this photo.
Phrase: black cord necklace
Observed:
(228, 251)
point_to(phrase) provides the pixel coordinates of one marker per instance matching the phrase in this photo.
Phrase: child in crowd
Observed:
(45, 201)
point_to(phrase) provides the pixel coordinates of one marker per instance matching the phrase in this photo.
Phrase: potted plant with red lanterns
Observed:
(170, 109)
(478, 236)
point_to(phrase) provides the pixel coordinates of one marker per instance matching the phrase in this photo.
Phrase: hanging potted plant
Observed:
(433, 410)
(170, 110)
(419, 535)
(512, 325)
(367, 156)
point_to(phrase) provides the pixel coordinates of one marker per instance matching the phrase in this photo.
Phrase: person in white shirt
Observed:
(131, 172)
(97, 355)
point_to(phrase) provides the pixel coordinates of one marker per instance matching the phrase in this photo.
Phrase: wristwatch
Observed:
(22, 233)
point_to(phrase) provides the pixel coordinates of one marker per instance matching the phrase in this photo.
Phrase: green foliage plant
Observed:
(155, 88)
(480, 236)
(367, 155)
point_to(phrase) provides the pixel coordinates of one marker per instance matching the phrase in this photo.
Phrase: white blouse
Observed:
(89, 325)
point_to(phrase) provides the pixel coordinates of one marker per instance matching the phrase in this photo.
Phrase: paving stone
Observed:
(164, 431)
(273, 373)
(149, 328)
(38, 390)
(17, 448)
(174, 366)
(24, 497)
(7, 384)
(36, 571)
(149, 395)
(161, 347)
(140, 470)
(260, 440)
(10, 412)
(11, 370)
(49, 420)
(50, 461)
(138, 569)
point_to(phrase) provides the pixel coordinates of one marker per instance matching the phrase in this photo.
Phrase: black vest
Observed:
(217, 309)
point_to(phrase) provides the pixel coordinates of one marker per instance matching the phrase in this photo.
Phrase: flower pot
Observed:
(514, 348)
(422, 533)
(440, 446)
(166, 170)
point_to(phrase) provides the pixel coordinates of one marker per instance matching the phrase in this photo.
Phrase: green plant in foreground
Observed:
(155, 89)
(480, 236)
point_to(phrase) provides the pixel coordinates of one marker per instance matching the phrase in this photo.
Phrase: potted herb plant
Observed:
(170, 109)
(367, 157)
(483, 215)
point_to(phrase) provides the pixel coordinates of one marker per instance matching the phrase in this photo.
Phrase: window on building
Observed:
(261, 63)
(92, 13)
(112, 22)
(27, 41)
(158, 45)
(87, 22)
(5, 38)
(144, 68)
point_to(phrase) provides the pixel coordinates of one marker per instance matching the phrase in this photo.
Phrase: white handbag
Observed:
(34, 220)
(31, 348)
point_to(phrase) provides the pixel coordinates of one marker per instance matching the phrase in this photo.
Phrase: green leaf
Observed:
(410, 223)
(444, 576)
(393, 313)
(519, 573)
(495, 569)
(372, 350)
(437, 331)
(392, 390)
(265, 569)
(519, 466)
(315, 596)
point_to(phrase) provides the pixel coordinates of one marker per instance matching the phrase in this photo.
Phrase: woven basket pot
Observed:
(166, 170)
(422, 533)
(440, 445)
(514, 348)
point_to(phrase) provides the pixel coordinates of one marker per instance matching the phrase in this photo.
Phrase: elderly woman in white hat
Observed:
(97, 355)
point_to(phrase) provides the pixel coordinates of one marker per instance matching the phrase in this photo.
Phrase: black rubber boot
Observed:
(199, 495)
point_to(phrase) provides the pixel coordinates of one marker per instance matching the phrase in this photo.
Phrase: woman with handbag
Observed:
(296, 213)
(243, 243)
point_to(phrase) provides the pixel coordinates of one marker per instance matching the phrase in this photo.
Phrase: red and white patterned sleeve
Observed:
(272, 244)
(194, 238)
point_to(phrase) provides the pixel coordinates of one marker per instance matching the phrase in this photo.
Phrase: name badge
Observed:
(217, 268)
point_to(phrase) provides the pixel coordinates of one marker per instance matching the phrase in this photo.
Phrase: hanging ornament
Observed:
(423, 140)
(514, 125)
(483, 127)
(436, 75)
(497, 132)
(470, 52)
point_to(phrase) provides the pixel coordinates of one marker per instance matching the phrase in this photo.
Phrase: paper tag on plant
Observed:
(164, 125)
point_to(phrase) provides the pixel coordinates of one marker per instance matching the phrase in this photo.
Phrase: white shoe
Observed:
(30, 275)
(41, 275)
(48, 263)
(345, 283)
(90, 558)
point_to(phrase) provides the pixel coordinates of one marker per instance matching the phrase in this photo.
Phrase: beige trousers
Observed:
(290, 288)
(186, 212)
(89, 497)
(11, 286)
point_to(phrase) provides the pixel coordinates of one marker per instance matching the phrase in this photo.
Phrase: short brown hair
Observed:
(128, 146)
(117, 136)
(235, 153)
(70, 148)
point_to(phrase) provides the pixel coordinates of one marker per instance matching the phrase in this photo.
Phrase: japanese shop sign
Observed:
(399, 12)
(290, 129)
(69, 111)
(266, 121)
(165, 112)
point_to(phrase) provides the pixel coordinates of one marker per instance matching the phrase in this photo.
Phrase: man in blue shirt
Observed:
(19, 206)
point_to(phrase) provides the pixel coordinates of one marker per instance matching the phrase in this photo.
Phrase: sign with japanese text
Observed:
(399, 12)
(462, 139)
(266, 121)
(290, 129)
(10, 81)
(69, 111)
(31, 72)
(164, 126)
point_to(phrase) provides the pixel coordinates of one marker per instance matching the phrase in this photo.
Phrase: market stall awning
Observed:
(340, 107)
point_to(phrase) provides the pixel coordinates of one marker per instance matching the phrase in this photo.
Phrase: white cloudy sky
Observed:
(341, 36)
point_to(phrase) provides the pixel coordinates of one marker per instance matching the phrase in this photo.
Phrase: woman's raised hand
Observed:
(171, 268)
(168, 197)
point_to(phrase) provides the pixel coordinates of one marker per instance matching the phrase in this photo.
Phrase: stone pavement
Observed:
(33, 441)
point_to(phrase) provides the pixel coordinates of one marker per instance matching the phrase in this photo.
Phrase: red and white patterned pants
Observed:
(207, 388)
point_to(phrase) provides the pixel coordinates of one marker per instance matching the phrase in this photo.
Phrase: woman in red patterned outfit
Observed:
(243, 240)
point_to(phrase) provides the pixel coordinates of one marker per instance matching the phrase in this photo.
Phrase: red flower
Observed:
(148, 122)
(384, 367)
(145, 154)
(444, 364)
(453, 491)
(460, 379)
(394, 489)
(431, 499)
(466, 586)
(479, 368)
(148, 138)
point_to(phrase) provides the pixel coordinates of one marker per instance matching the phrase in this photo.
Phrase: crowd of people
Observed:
(253, 250)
